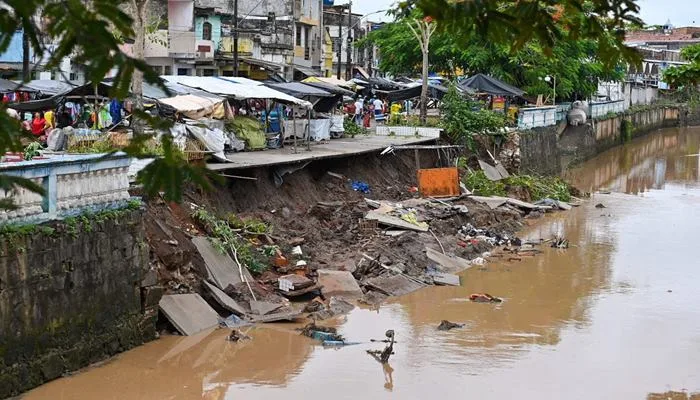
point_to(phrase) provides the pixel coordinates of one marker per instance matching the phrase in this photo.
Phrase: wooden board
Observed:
(439, 182)
(189, 313)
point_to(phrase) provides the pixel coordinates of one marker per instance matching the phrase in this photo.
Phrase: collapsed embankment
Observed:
(317, 209)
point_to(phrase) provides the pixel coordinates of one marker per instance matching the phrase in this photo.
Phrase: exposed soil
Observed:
(322, 213)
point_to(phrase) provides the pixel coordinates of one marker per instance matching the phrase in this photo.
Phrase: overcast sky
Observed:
(653, 12)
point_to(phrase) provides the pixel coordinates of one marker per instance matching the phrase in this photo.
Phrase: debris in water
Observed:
(321, 332)
(446, 325)
(484, 298)
(560, 243)
(600, 205)
(236, 336)
(383, 355)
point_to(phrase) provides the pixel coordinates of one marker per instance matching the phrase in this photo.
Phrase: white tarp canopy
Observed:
(238, 91)
(196, 107)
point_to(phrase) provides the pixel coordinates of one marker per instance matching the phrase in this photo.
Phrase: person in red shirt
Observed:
(38, 125)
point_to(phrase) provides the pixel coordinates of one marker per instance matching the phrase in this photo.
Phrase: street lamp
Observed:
(552, 79)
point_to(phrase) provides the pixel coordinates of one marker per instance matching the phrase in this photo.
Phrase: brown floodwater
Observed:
(616, 316)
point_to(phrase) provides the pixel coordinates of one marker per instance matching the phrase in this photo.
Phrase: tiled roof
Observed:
(656, 36)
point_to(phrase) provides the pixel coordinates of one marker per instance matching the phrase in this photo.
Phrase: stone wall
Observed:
(539, 152)
(72, 293)
(545, 151)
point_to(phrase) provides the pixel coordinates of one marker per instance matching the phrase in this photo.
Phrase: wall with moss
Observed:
(72, 293)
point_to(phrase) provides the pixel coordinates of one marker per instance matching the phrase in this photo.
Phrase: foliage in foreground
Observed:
(537, 186)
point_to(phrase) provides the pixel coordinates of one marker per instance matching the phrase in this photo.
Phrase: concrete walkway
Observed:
(334, 148)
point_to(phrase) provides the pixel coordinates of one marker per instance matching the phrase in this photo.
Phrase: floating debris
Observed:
(484, 298)
(446, 325)
(600, 205)
(560, 243)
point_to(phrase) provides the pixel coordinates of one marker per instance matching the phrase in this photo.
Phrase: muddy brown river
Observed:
(616, 316)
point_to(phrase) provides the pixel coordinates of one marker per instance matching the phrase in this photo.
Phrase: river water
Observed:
(616, 316)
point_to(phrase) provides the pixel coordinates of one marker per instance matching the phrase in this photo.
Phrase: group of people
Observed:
(364, 109)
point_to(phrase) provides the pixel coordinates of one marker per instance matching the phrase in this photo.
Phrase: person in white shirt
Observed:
(359, 106)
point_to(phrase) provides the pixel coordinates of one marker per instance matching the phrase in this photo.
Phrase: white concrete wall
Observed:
(534, 117)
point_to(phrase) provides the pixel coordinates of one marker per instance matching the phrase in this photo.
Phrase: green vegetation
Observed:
(627, 129)
(685, 78)
(462, 119)
(577, 61)
(227, 235)
(32, 150)
(14, 234)
(536, 186)
(352, 129)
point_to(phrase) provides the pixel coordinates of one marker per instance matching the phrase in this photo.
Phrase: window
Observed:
(183, 71)
(208, 72)
(206, 31)
(167, 70)
(73, 76)
(298, 40)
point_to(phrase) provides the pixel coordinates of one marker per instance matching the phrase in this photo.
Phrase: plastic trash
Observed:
(360, 186)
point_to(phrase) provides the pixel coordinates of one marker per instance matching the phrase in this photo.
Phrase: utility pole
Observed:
(348, 65)
(340, 39)
(235, 37)
(25, 56)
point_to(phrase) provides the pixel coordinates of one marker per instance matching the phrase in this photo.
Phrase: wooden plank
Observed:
(225, 300)
(223, 271)
(394, 221)
(283, 316)
(189, 313)
(450, 264)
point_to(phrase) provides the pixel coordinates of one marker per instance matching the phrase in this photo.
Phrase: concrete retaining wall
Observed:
(72, 293)
(546, 151)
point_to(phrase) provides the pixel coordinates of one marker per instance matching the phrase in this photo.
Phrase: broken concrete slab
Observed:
(222, 270)
(496, 201)
(445, 279)
(493, 173)
(225, 300)
(338, 283)
(296, 293)
(293, 282)
(393, 285)
(189, 313)
(394, 232)
(336, 306)
(395, 222)
(281, 316)
(450, 264)
(492, 202)
(264, 307)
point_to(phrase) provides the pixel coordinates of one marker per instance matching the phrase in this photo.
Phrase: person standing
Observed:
(378, 110)
(359, 106)
(50, 121)
(38, 125)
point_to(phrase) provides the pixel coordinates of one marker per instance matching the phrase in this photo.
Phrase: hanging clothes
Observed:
(115, 111)
(104, 119)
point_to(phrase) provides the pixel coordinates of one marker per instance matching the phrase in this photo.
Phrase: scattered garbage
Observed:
(360, 186)
(236, 336)
(560, 243)
(296, 250)
(446, 325)
(494, 238)
(383, 355)
(600, 205)
(484, 298)
(232, 321)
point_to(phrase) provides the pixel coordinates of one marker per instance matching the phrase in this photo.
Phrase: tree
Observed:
(686, 77)
(574, 61)
(423, 30)
(139, 10)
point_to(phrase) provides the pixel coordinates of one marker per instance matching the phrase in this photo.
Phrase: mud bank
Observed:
(317, 209)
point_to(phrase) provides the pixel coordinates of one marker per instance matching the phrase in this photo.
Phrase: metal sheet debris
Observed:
(393, 285)
(493, 173)
(439, 182)
(189, 313)
(449, 264)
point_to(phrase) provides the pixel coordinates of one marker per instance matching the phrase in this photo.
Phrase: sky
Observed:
(653, 12)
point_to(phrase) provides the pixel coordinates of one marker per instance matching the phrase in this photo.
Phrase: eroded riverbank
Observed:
(614, 316)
